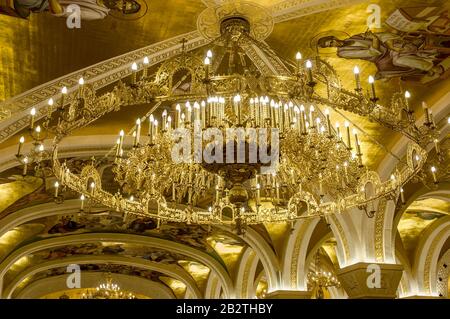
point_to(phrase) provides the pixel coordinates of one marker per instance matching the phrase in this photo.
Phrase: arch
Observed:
(265, 254)
(443, 275)
(427, 254)
(134, 284)
(128, 238)
(246, 274)
(442, 191)
(170, 270)
(294, 256)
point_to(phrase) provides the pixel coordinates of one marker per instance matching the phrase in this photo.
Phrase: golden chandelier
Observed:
(107, 290)
(279, 157)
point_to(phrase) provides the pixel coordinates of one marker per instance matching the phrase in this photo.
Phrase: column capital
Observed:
(288, 294)
(371, 280)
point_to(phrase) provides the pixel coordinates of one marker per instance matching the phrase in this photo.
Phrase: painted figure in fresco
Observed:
(90, 9)
(65, 225)
(394, 55)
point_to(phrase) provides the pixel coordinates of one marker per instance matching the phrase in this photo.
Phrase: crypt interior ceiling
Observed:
(39, 238)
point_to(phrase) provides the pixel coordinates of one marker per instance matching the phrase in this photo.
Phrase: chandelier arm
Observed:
(130, 131)
(369, 136)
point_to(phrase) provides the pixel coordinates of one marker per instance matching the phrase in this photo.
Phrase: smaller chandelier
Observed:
(321, 279)
(107, 290)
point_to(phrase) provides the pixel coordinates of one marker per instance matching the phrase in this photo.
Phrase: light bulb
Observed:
(22, 139)
(121, 133)
(33, 112)
(308, 64)
(371, 79)
(298, 56)
(134, 66)
(356, 69)
(407, 94)
(327, 111)
(433, 169)
(138, 122)
(207, 62)
(64, 90)
(209, 54)
(146, 60)
(346, 124)
(50, 101)
(81, 81)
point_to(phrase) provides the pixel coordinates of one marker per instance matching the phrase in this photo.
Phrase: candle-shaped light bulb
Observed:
(56, 188)
(134, 68)
(357, 78)
(207, 63)
(25, 166)
(137, 133)
(309, 70)
(82, 198)
(146, 62)
(338, 131)
(327, 115)
(347, 126)
(358, 148)
(64, 90)
(433, 172)
(92, 186)
(21, 141)
(407, 96)
(117, 146)
(50, 102)
(311, 115)
(155, 122)
(41, 148)
(209, 54)
(80, 87)
(372, 88)
(121, 135)
(32, 115)
(298, 58)
(38, 132)
(402, 195)
(258, 194)
(169, 122)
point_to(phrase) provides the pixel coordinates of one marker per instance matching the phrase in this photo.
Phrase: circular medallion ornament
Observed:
(259, 18)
